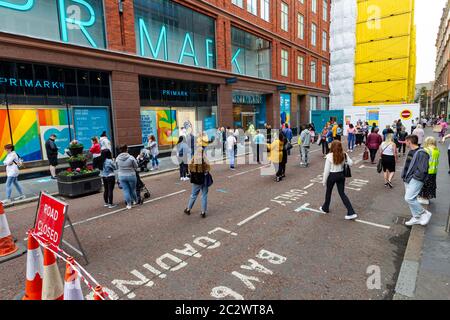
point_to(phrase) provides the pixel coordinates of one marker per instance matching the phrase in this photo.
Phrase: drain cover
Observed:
(401, 220)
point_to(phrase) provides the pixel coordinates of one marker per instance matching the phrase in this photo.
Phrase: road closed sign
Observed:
(50, 218)
(406, 114)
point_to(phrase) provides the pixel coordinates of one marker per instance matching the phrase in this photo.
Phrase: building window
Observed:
(314, 6)
(312, 103)
(313, 34)
(323, 103)
(313, 71)
(324, 75)
(325, 10)
(284, 16)
(239, 3)
(284, 63)
(300, 67)
(265, 10)
(301, 26)
(324, 40)
(252, 6)
(302, 1)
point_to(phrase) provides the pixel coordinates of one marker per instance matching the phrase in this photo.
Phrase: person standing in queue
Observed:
(259, 142)
(154, 152)
(231, 143)
(183, 155)
(108, 177)
(105, 143)
(127, 166)
(276, 155)
(96, 152)
(201, 180)
(401, 138)
(351, 137)
(288, 135)
(305, 144)
(429, 188)
(389, 157)
(52, 154)
(373, 143)
(333, 174)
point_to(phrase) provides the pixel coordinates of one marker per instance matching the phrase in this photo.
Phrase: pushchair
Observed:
(143, 160)
(141, 190)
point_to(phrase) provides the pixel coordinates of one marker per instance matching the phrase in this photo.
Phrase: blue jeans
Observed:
(351, 141)
(196, 188)
(128, 184)
(412, 190)
(155, 161)
(10, 182)
(231, 157)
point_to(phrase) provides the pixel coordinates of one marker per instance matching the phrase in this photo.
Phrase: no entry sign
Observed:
(50, 218)
(406, 114)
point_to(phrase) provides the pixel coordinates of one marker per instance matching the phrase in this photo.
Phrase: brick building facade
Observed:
(229, 95)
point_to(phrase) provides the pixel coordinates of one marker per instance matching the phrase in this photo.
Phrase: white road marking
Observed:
(356, 189)
(72, 247)
(123, 209)
(308, 186)
(314, 150)
(306, 207)
(363, 166)
(253, 216)
(373, 224)
(244, 172)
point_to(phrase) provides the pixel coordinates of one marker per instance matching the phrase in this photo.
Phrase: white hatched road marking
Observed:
(373, 224)
(244, 172)
(308, 186)
(253, 216)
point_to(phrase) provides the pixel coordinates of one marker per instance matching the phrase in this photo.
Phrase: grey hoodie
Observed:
(126, 164)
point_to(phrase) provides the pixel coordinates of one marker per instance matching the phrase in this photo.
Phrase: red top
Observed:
(95, 149)
(374, 141)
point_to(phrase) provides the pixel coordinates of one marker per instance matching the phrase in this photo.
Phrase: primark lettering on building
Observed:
(12, 82)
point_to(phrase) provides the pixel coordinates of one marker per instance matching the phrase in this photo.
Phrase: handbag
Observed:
(347, 170)
(366, 155)
(380, 166)
(197, 178)
(288, 146)
(208, 179)
(437, 128)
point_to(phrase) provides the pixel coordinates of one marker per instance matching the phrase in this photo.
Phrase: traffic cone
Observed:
(99, 290)
(35, 270)
(7, 245)
(72, 284)
(52, 285)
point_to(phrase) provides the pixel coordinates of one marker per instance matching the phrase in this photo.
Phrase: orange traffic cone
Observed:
(52, 285)
(99, 290)
(7, 245)
(35, 270)
(72, 284)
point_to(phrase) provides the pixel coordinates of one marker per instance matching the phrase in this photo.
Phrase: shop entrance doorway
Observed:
(247, 119)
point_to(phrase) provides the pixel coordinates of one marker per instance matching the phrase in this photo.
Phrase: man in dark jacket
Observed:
(414, 175)
(52, 154)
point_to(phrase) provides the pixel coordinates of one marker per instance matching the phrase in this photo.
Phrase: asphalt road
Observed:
(255, 243)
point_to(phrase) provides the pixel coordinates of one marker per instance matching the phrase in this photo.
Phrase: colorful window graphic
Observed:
(285, 108)
(5, 136)
(167, 127)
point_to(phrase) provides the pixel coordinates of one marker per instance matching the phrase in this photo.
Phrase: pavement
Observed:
(260, 239)
(425, 272)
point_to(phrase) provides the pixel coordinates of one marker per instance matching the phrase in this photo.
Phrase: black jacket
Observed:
(51, 148)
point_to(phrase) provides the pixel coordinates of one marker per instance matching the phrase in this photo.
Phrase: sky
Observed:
(428, 15)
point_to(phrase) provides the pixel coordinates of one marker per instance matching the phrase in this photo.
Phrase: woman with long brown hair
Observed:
(333, 173)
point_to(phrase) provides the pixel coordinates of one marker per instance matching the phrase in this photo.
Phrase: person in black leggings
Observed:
(108, 177)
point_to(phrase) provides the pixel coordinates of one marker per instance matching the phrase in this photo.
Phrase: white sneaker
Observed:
(128, 206)
(151, 169)
(423, 201)
(6, 201)
(186, 179)
(413, 221)
(352, 217)
(106, 205)
(20, 197)
(181, 179)
(425, 218)
(111, 206)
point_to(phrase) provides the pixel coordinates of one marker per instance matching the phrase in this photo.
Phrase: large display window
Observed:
(39, 100)
(168, 106)
(249, 110)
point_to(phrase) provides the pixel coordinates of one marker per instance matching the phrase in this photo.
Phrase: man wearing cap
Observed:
(52, 154)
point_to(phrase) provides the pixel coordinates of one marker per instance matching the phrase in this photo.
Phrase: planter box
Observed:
(80, 186)
(77, 164)
(78, 177)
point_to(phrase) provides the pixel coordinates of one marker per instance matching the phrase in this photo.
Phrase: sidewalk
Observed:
(32, 187)
(425, 272)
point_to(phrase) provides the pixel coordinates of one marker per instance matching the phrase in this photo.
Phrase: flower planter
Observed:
(78, 185)
(76, 151)
(77, 164)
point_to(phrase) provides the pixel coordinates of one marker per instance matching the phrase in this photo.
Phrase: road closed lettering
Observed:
(50, 218)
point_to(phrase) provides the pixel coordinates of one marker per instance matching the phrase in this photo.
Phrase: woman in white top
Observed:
(12, 172)
(389, 156)
(333, 173)
(418, 131)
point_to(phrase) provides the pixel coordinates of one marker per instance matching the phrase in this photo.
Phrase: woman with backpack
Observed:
(183, 155)
(333, 173)
(12, 163)
(201, 180)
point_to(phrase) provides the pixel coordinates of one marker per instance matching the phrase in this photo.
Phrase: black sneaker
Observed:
(203, 214)
(390, 185)
(187, 211)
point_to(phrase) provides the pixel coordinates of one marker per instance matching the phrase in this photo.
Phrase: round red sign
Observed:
(406, 114)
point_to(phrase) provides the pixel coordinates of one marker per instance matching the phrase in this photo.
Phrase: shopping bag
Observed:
(366, 155)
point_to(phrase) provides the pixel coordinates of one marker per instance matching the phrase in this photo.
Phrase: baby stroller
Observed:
(141, 188)
(143, 160)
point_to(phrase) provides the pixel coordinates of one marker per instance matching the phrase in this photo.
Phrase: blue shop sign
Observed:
(174, 93)
(29, 83)
(247, 99)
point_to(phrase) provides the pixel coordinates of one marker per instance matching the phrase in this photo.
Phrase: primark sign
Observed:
(78, 22)
(28, 83)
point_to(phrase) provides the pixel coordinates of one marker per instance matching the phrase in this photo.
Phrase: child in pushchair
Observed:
(141, 187)
(143, 160)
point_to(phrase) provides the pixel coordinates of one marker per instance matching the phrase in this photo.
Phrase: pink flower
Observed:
(78, 170)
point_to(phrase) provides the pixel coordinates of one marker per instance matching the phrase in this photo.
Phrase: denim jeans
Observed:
(128, 184)
(412, 190)
(351, 141)
(231, 157)
(10, 182)
(304, 154)
(196, 188)
(155, 161)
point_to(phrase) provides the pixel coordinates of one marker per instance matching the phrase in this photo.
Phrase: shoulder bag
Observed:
(347, 170)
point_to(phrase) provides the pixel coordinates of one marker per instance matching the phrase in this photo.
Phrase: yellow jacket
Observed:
(276, 151)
